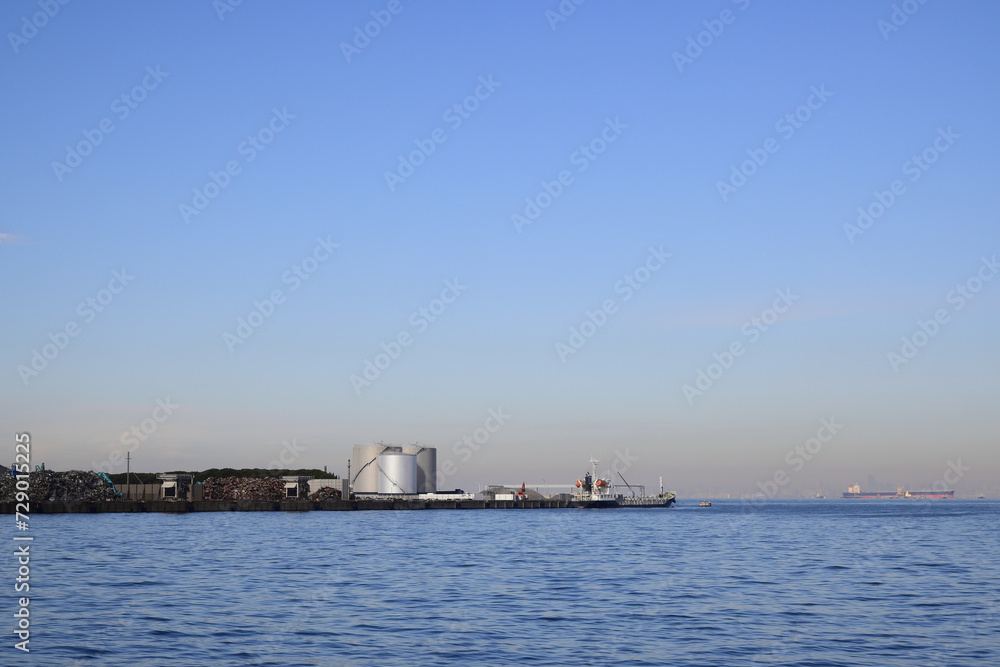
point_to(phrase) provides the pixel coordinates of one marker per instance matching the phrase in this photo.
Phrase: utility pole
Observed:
(128, 469)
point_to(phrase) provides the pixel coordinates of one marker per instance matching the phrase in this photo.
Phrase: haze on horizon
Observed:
(268, 236)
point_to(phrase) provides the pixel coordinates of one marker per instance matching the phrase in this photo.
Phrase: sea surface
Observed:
(810, 582)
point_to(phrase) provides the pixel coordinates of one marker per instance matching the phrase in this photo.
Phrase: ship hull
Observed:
(647, 502)
(889, 495)
(596, 504)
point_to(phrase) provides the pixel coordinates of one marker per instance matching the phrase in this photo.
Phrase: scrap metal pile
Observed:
(68, 486)
(326, 493)
(243, 488)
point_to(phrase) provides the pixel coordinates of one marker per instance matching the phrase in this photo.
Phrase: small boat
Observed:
(705, 503)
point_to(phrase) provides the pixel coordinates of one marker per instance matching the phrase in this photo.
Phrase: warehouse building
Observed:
(176, 487)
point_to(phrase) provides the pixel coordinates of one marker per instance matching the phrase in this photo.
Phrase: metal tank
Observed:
(397, 473)
(364, 467)
(427, 470)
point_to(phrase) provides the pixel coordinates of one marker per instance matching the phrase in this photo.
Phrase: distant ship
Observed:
(855, 491)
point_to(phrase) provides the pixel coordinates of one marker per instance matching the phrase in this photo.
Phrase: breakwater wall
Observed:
(181, 507)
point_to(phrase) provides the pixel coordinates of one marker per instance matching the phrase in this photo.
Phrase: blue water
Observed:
(824, 582)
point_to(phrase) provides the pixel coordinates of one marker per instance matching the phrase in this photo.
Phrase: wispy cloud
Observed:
(11, 239)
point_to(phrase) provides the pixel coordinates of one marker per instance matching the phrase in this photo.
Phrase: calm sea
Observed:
(825, 582)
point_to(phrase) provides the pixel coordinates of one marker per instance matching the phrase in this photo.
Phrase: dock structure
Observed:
(289, 505)
(389, 477)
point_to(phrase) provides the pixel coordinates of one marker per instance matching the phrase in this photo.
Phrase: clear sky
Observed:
(681, 171)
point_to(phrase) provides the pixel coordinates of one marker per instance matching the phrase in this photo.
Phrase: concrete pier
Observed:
(180, 506)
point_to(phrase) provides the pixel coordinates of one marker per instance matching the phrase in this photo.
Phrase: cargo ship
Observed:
(591, 491)
(854, 491)
(594, 492)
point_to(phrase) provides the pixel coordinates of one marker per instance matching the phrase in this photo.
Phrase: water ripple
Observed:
(786, 583)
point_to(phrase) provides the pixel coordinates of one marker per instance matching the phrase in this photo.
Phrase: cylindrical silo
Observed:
(397, 473)
(426, 467)
(427, 470)
(364, 467)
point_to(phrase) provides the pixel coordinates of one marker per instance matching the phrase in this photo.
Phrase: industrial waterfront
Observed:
(384, 477)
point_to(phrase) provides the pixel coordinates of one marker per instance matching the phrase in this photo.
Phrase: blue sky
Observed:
(345, 122)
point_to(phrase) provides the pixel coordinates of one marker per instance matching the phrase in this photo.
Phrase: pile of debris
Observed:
(326, 493)
(243, 488)
(69, 486)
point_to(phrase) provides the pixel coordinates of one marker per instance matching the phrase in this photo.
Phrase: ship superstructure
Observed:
(594, 491)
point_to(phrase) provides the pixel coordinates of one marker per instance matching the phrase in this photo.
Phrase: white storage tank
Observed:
(397, 473)
(426, 467)
(427, 470)
(364, 467)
